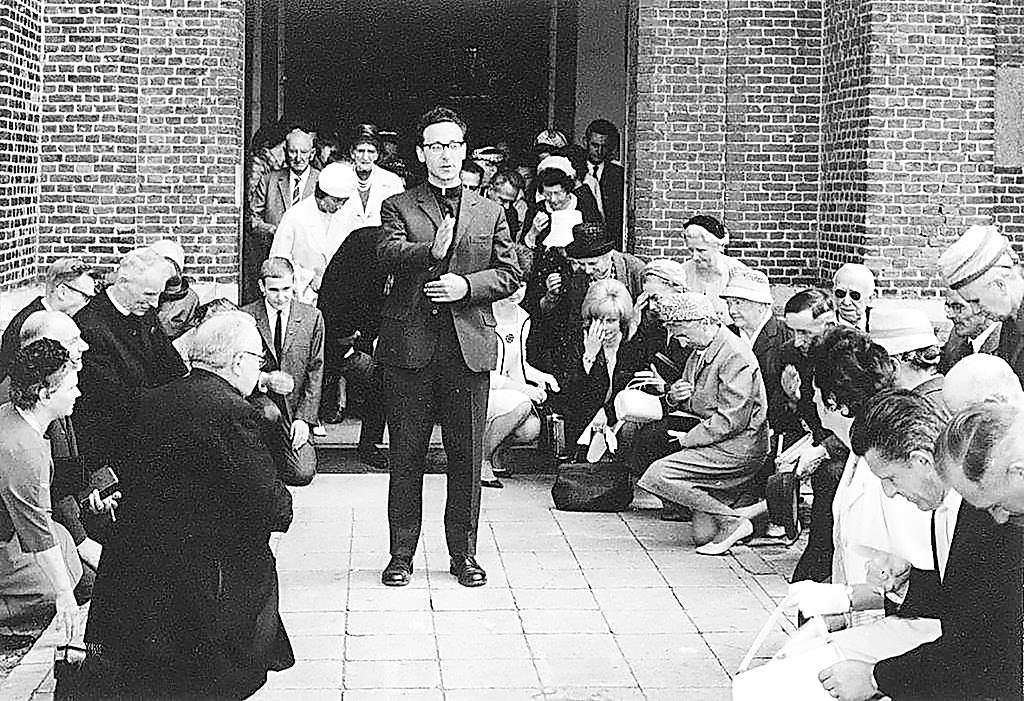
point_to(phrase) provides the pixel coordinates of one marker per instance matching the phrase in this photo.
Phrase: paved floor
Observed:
(578, 606)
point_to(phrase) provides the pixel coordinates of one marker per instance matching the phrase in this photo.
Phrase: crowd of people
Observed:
(149, 439)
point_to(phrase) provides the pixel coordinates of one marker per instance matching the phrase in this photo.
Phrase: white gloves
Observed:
(818, 599)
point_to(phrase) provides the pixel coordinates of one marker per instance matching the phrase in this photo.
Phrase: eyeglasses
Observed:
(437, 147)
(841, 293)
(471, 188)
(262, 357)
(85, 294)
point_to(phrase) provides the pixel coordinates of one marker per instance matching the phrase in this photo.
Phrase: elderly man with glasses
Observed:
(853, 286)
(68, 287)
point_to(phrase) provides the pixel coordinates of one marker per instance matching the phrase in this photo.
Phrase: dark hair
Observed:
(709, 224)
(440, 115)
(818, 301)
(604, 128)
(969, 439)
(40, 365)
(508, 175)
(922, 358)
(552, 176)
(577, 156)
(365, 134)
(895, 423)
(849, 368)
(469, 166)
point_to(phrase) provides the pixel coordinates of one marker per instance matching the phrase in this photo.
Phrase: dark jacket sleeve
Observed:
(254, 490)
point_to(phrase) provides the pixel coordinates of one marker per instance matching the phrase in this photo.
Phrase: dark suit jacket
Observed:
(350, 296)
(272, 197)
(768, 349)
(481, 251)
(126, 355)
(302, 355)
(187, 587)
(613, 179)
(980, 607)
(1011, 342)
(12, 335)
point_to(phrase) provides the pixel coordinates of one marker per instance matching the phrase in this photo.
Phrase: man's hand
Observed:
(676, 435)
(680, 391)
(280, 382)
(98, 505)
(443, 238)
(553, 284)
(810, 460)
(447, 288)
(849, 681)
(536, 394)
(817, 599)
(300, 433)
(790, 381)
(886, 572)
(67, 618)
(540, 222)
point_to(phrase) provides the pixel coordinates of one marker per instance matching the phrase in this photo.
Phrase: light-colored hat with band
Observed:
(685, 306)
(749, 284)
(899, 329)
(978, 250)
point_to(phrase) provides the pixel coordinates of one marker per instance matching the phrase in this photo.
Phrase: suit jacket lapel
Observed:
(263, 324)
(282, 187)
(425, 199)
(467, 212)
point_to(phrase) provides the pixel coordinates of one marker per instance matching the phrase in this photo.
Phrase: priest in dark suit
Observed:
(128, 352)
(451, 256)
(186, 597)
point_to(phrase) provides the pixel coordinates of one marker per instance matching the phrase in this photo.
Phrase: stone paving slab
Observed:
(579, 607)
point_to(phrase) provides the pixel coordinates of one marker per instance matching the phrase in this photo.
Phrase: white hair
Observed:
(140, 262)
(219, 339)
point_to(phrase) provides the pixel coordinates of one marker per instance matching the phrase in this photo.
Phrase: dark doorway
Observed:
(351, 61)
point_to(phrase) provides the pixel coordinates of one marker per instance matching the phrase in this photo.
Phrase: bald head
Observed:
(979, 377)
(56, 326)
(853, 285)
(857, 275)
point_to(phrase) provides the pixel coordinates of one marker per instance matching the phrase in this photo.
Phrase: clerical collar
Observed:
(453, 192)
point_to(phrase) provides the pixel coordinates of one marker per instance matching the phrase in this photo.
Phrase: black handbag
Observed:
(599, 486)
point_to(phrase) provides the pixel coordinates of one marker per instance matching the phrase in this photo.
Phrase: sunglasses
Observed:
(841, 293)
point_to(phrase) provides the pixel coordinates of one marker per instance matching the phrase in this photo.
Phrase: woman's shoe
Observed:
(494, 483)
(743, 529)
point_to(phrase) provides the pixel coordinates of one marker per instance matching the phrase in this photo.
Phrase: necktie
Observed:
(296, 194)
(277, 337)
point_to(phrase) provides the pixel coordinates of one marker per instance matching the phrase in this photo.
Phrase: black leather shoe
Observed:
(468, 572)
(397, 573)
(493, 484)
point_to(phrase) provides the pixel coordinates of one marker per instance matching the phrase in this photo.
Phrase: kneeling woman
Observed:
(722, 386)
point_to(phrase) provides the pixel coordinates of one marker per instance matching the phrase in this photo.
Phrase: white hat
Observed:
(557, 163)
(338, 180)
(977, 251)
(171, 250)
(749, 284)
(899, 329)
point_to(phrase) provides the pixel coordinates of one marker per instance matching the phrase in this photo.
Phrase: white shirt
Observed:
(309, 238)
(383, 184)
(31, 421)
(979, 341)
(272, 319)
(945, 526)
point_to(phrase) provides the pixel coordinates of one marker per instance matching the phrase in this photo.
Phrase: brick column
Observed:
(20, 75)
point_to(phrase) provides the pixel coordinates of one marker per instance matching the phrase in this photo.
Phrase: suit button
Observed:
(434, 311)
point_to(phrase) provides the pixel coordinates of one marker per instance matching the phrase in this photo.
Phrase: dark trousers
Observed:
(362, 374)
(448, 390)
(816, 562)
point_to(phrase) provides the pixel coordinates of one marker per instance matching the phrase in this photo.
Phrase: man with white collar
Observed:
(128, 352)
(972, 332)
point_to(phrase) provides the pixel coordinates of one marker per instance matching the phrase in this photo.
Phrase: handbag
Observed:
(634, 404)
(784, 679)
(599, 486)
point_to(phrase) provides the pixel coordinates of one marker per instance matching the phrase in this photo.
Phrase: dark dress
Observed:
(185, 600)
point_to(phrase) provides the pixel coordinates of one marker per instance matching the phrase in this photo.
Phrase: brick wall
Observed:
(141, 138)
(844, 119)
(930, 135)
(20, 49)
(1009, 167)
(727, 123)
(773, 114)
(190, 131)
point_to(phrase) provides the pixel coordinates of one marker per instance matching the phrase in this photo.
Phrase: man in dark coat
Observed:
(975, 586)
(350, 298)
(186, 597)
(972, 332)
(128, 352)
(451, 256)
(68, 288)
(602, 141)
